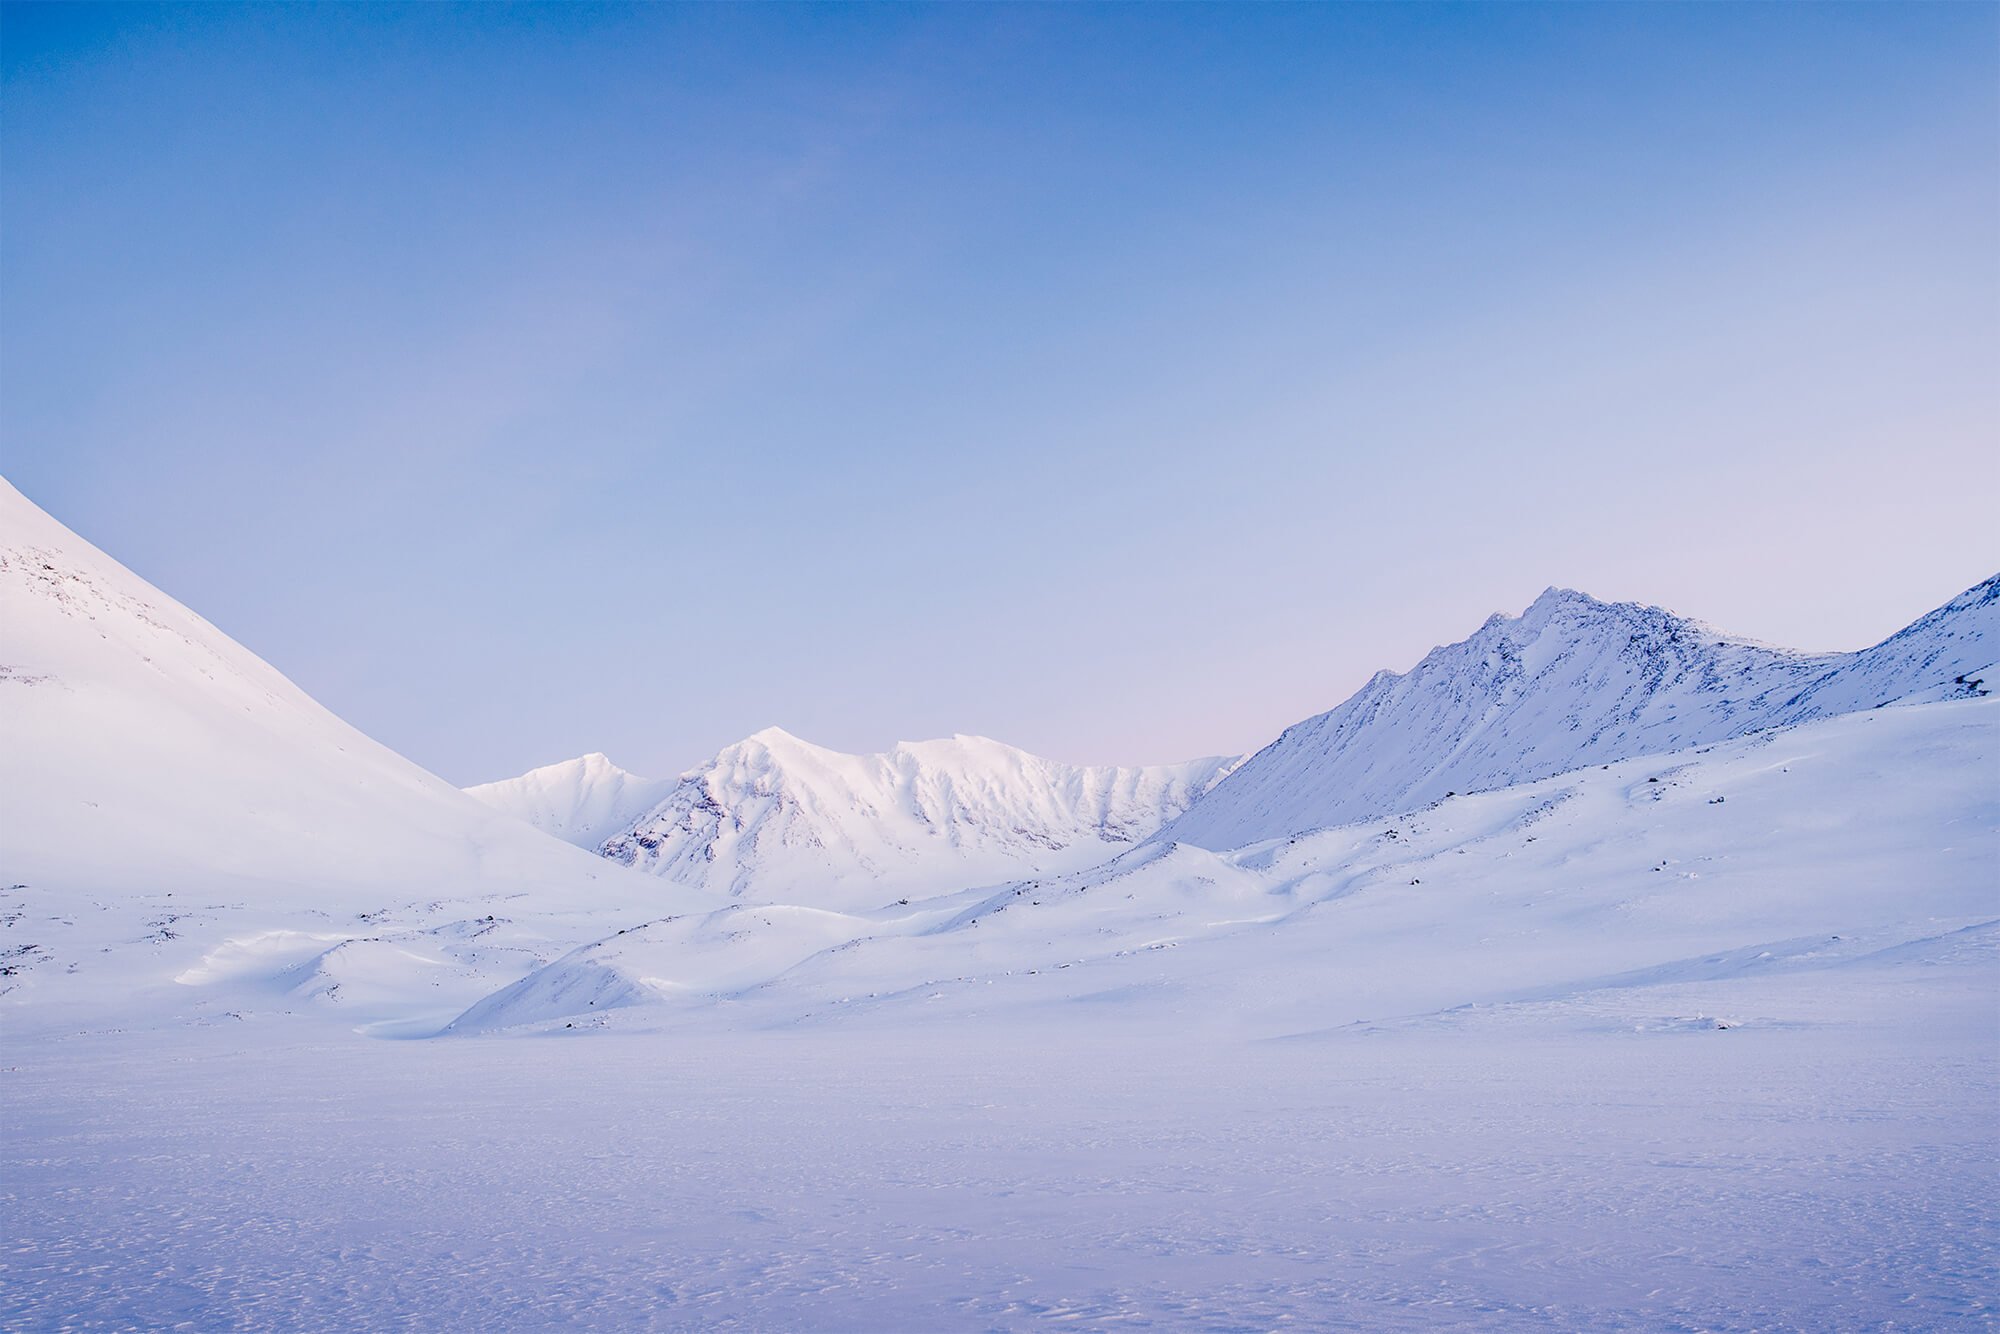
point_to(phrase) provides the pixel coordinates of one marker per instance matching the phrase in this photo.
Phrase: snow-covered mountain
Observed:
(1950, 653)
(1571, 681)
(582, 801)
(169, 793)
(1800, 858)
(186, 832)
(774, 815)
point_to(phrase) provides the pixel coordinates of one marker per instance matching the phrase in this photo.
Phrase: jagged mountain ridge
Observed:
(774, 814)
(1947, 653)
(583, 801)
(1569, 682)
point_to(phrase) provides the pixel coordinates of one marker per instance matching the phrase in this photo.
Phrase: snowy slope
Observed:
(1569, 682)
(1949, 653)
(773, 816)
(582, 801)
(168, 793)
(1804, 850)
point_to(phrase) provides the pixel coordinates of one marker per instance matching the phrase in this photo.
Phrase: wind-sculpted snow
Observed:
(703, 955)
(582, 801)
(773, 816)
(1569, 682)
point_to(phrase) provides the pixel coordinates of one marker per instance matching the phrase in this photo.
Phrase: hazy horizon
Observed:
(1124, 384)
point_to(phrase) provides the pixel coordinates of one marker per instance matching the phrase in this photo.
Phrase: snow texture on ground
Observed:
(1824, 1161)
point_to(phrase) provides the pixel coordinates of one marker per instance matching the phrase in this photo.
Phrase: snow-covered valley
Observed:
(1601, 971)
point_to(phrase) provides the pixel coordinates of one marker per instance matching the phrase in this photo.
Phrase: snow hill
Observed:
(168, 792)
(582, 801)
(781, 816)
(1572, 681)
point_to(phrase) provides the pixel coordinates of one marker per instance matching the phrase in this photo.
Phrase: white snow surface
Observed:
(1825, 1164)
(1569, 682)
(1703, 1037)
(774, 816)
(583, 801)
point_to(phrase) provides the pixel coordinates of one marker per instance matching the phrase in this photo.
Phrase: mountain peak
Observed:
(773, 813)
(581, 801)
(594, 762)
(1556, 596)
(1571, 681)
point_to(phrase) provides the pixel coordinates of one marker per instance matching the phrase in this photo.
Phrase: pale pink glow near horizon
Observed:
(1124, 387)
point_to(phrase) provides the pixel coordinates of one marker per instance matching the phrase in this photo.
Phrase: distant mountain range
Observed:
(1572, 681)
(776, 814)
(187, 837)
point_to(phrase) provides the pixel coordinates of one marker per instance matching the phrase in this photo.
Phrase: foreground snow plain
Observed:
(1615, 1163)
(297, 1037)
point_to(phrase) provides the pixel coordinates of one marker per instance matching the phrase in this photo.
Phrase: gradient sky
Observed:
(1124, 383)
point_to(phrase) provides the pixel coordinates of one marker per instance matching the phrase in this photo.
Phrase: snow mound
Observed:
(698, 958)
(366, 972)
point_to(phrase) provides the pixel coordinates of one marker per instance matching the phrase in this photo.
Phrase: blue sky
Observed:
(1125, 383)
